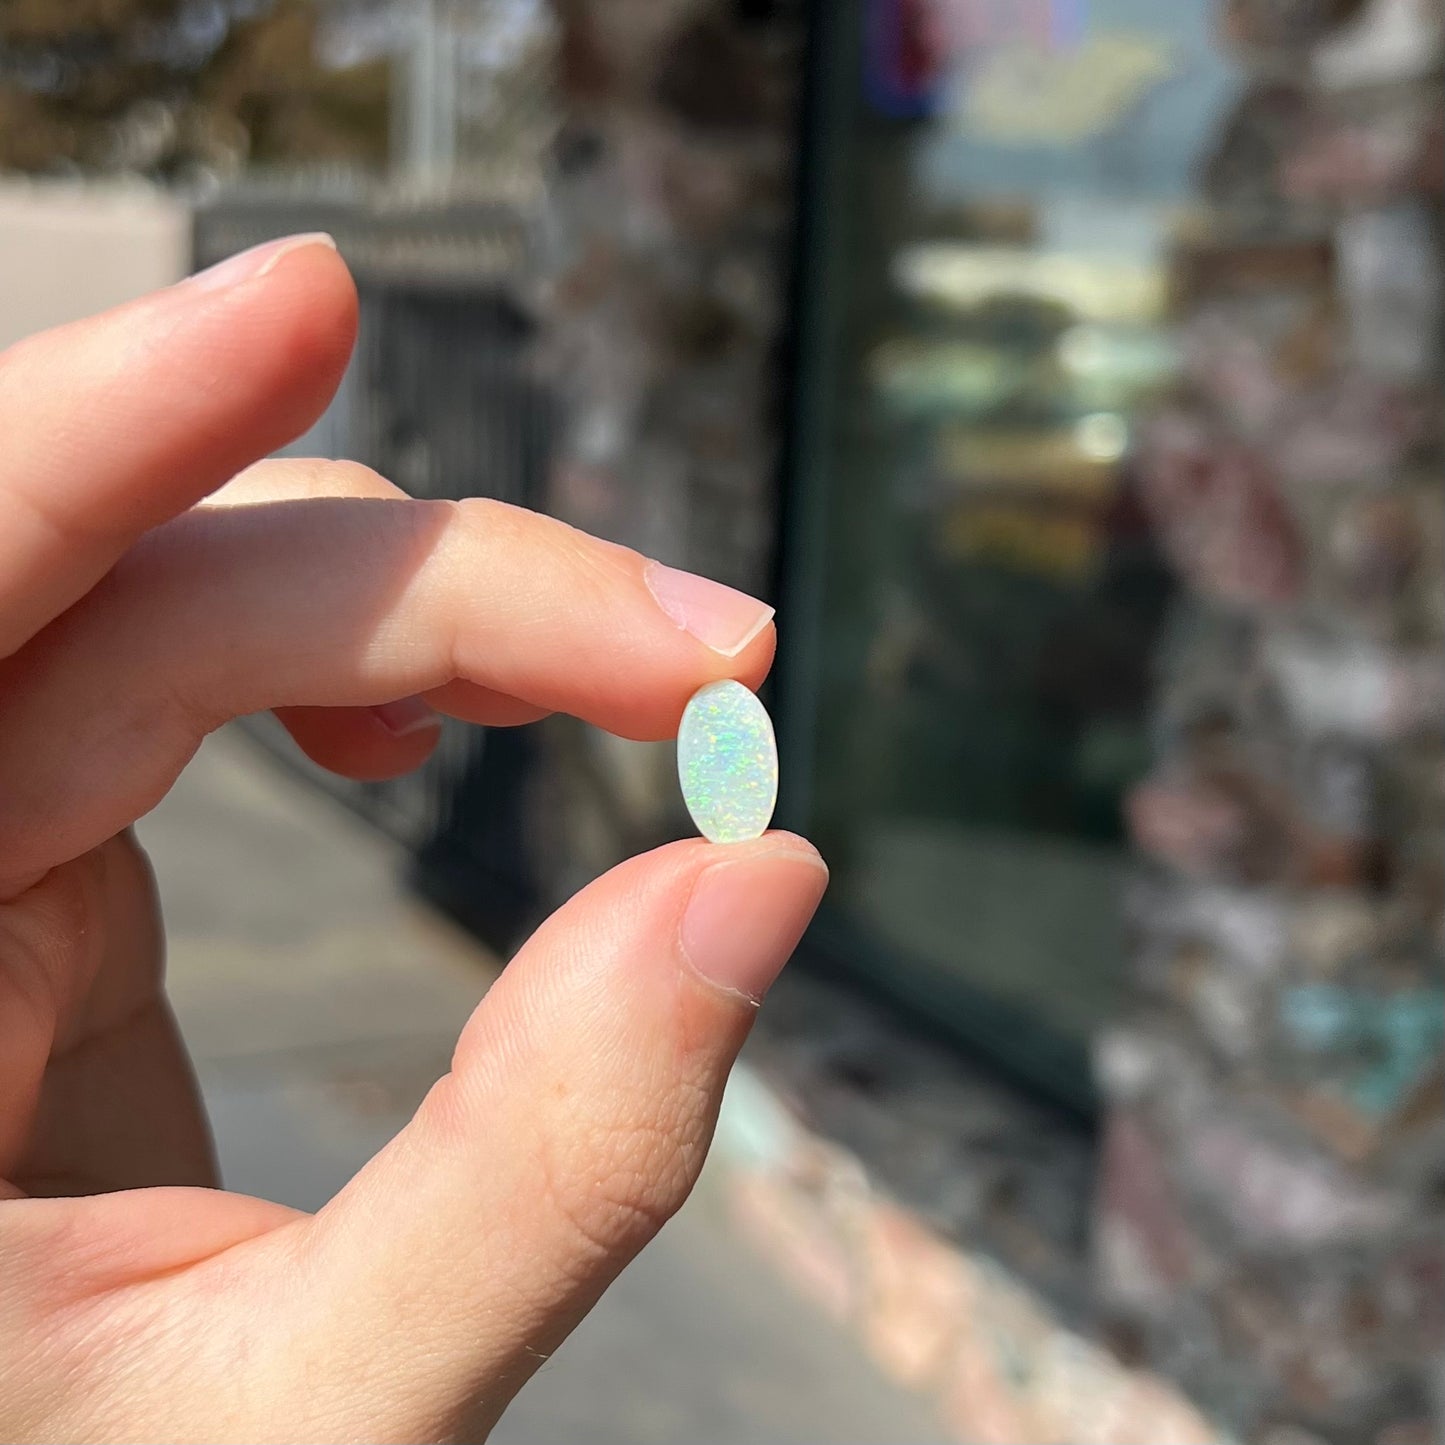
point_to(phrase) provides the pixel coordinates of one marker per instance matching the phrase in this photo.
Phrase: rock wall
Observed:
(1271, 1229)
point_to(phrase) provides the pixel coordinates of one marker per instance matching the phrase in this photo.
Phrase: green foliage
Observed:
(164, 86)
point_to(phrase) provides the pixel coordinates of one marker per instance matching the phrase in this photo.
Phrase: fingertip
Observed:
(747, 912)
(725, 620)
(657, 717)
(307, 310)
(738, 910)
(407, 717)
(755, 661)
(321, 275)
(367, 745)
(683, 860)
(780, 840)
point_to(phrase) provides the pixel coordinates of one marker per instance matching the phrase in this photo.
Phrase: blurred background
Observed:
(1069, 373)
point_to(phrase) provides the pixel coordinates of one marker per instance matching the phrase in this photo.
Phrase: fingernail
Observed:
(721, 618)
(248, 265)
(407, 716)
(745, 918)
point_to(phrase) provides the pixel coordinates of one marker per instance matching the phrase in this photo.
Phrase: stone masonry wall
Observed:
(1272, 1220)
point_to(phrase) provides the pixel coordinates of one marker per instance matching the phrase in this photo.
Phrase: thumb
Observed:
(574, 1122)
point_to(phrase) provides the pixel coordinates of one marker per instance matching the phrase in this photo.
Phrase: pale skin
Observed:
(155, 581)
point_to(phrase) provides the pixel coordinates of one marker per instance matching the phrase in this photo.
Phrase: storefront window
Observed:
(997, 192)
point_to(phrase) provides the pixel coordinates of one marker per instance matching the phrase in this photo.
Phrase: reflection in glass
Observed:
(1013, 182)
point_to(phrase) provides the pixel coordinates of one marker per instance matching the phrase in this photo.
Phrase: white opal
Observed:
(727, 763)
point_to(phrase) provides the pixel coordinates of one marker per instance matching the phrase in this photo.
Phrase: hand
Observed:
(144, 600)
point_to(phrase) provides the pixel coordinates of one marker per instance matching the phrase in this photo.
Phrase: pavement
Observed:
(320, 1002)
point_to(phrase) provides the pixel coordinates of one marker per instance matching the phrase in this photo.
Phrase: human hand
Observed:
(144, 600)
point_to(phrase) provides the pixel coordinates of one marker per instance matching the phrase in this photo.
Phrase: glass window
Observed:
(996, 186)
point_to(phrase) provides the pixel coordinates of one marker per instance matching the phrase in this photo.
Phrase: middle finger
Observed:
(339, 602)
(375, 742)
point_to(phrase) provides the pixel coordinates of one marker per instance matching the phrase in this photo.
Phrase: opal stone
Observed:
(727, 762)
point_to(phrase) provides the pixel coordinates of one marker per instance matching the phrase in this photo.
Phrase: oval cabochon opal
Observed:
(727, 763)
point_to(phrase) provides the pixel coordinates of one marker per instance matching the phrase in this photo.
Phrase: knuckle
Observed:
(551, 552)
(485, 520)
(328, 477)
(616, 1185)
(169, 717)
(494, 523)
(46, 953)
(307, 479)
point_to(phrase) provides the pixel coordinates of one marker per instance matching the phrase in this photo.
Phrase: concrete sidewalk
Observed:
(320, 1003)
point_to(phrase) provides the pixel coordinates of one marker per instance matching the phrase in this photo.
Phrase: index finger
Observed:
(115, 424)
